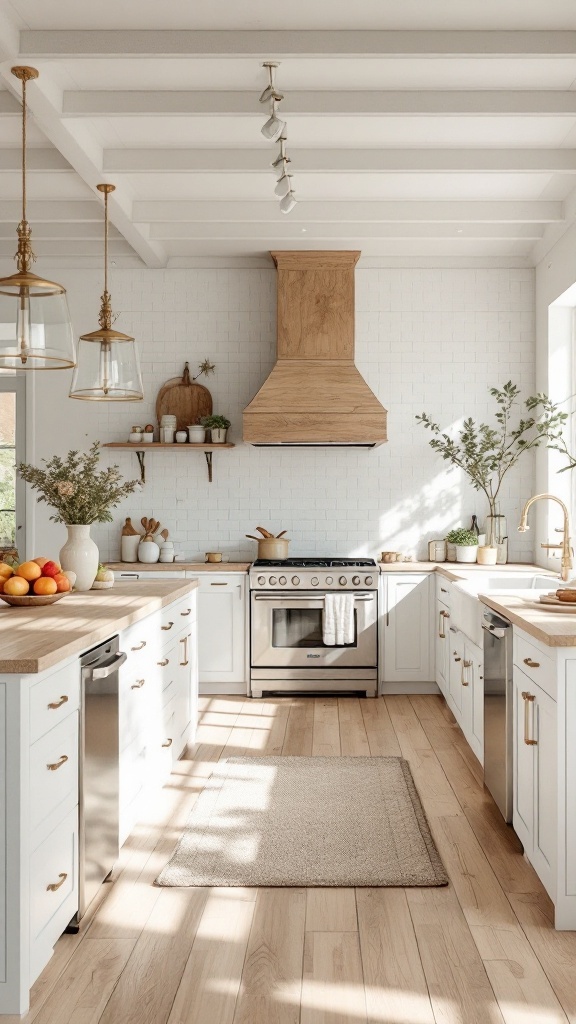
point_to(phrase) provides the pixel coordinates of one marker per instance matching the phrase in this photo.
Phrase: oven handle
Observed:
(289, 597)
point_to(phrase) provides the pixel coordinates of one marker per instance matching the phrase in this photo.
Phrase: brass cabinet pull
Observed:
(184, 641)
(528, 699)
(531, 664)
(139, 647)
(58, 703)
(187, 612)
(168, 742)
(57, 764)
(443, 589)
(465, 665)
(456, 658)
(169, 626)
(440, 627)
(163, 663)
(54, 886)
(138, 684)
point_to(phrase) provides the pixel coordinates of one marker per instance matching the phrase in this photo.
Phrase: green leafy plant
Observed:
(218, 422)
(486, 453)
(462, 537)
(79, 493)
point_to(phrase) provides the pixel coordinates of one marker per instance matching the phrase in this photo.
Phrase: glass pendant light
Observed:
(35, 326)
(107, 369)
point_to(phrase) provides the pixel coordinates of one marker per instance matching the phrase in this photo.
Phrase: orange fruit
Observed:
(62, 582)
(29, 571)
(5, 571)
(45, 586)
(2, 582)
(40, 561)
(16, 586)
(51, 569)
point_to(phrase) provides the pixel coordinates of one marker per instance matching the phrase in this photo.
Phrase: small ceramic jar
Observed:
(148, 436)
(196, 434)
(148, 551)
(181, 437)
(167, 551)
(135, 435)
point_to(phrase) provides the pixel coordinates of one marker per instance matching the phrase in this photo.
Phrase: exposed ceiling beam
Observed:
(9, 105)
(59, 229)
(39, 210)
(273, 233)
(327, 161)
(189, 211)
(276, 44)
(67, 247)
(116, 103)
(36, 160)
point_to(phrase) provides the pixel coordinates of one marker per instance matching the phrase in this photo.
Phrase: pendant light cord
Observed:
(106, 243)
(24, 150)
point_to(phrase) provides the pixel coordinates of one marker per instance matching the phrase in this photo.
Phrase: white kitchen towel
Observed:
(338, 619)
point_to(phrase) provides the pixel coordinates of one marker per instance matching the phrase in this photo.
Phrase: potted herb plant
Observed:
(217, 425)
(486, 453)
(451, 545)
(466, 542)
(80, 495)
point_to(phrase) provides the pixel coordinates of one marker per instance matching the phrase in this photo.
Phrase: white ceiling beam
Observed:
(329, 161)
(188, 211)
(273, 233)
(276, 44)
(353, 103)
(9, 106)
(36, 160)
(39, 210)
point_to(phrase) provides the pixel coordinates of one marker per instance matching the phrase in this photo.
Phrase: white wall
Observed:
(430, 339)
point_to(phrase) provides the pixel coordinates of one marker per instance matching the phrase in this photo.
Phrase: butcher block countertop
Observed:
(34, 639)
(172, 566)
(456, 571)
(557, 629)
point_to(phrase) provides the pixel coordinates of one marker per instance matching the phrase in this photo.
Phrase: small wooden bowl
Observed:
(31, 600)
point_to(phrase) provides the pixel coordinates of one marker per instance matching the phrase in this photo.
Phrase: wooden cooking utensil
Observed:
(183, 398)
(265, 533)
(278, 535)
(128, 530)
(164, 535)
(144, 522)
(252, 537)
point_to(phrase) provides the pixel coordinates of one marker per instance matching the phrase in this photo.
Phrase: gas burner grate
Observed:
(315, 563)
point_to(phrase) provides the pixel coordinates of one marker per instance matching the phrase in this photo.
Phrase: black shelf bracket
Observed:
(209, 464)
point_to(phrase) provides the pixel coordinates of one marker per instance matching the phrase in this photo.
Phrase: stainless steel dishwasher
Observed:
(99, 768)
(498, 732)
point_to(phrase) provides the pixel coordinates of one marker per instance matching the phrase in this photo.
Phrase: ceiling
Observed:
(418, 133)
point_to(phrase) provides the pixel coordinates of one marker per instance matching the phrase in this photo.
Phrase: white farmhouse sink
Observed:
(507, 581)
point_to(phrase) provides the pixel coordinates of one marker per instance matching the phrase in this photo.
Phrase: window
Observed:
(12, 451)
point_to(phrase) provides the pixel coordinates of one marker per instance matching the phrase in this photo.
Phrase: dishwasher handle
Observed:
(108, 667)
(498, 631)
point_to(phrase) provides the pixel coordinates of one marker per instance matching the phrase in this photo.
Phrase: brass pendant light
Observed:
(107, 369)
(35, 327)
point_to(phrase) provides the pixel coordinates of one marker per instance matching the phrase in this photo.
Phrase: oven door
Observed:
(286, 632)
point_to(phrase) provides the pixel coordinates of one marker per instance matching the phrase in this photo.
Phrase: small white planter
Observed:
(218, 434)
(487, 555)
(196, 434)
(466, 552)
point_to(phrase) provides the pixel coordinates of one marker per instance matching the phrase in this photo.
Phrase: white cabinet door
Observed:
(222, 628)
(441, 644)
(472, 707)
(523, 770)
(455, 671)
(407, 634)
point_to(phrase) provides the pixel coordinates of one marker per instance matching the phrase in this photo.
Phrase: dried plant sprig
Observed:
(79, 493)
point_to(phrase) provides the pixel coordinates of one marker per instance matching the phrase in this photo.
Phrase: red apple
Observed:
(51, 569)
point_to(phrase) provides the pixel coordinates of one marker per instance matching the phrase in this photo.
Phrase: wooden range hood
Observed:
(315, 395)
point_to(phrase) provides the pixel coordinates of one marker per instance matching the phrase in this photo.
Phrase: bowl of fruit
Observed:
(37, 582)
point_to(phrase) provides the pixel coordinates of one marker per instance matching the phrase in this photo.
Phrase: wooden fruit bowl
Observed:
(32, 600)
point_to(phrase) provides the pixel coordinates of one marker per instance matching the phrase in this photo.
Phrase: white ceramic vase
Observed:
(80, 554)
(466, 552)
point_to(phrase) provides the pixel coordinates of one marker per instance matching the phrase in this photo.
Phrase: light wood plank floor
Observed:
(480, 951)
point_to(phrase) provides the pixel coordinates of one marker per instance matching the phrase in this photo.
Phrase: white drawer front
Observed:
(53, 770)
(536, 664)
(178, 615)
(53, 875)
(54, 698)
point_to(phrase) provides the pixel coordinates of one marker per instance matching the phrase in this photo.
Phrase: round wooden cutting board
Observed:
(183, 398)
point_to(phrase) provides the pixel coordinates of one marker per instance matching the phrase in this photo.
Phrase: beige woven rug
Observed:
(307, 821)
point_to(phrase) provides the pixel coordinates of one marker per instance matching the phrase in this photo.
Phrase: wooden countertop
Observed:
(34, 639)
(556, 629)
(171, 566)
(456, 571)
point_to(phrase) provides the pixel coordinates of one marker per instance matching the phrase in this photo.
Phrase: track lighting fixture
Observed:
(275, 131)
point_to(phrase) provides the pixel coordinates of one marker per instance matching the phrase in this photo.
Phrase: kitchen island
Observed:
(40, 706)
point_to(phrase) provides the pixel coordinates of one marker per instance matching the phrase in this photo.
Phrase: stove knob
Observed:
(314, 581)
(261, 581)
(356, 581)
(342, 581)
(329, 580)
(368, 581)
(295, 580)
(282, 581)
(272, 581)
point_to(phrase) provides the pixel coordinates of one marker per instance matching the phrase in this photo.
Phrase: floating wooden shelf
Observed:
(141, 449)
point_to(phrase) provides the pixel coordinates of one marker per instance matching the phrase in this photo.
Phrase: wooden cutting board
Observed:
(183, 398)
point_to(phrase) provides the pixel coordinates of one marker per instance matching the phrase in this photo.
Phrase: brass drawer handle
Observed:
(531, 664)
(184, 641)
(58, 703)
(187, 612)
(168, 742)
(443, 590)
(138, 684)
(54, 886)
(455, 658)
(441, 627)
(169, 626)
(163, 663)
(139, 647)
(464, 680)
(57, 764)
(528, 699)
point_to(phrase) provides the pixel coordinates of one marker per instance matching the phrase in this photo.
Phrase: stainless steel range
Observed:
(287, 604)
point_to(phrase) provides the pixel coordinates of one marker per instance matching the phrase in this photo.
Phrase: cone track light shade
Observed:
(288, 202)
(273, 127)
(108, 369)
(35, 326)
(283, 185)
